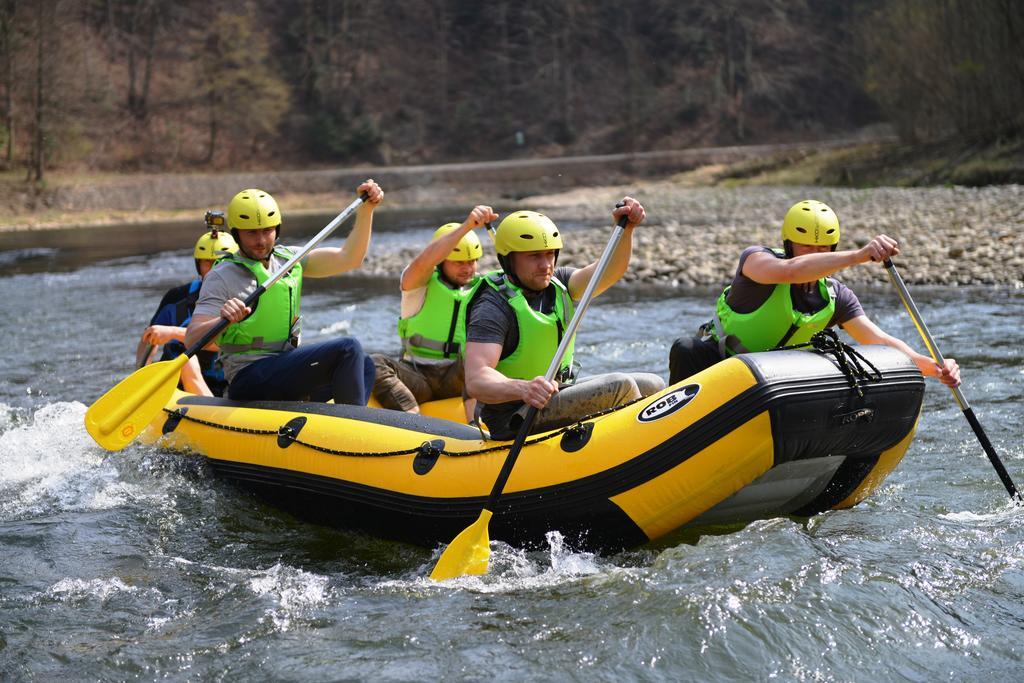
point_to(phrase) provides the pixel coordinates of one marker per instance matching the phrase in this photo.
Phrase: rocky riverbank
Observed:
(693, 235)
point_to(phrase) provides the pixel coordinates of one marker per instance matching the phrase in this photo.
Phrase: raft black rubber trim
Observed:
(427, 455)
(844, 482)
(391, 418)
(427, 521)
(289, 432)
(577, 436)
(173, 419)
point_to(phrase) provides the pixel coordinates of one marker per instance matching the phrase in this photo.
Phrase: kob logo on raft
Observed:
(668, 404)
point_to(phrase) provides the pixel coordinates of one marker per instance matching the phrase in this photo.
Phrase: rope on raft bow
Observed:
(849, 360)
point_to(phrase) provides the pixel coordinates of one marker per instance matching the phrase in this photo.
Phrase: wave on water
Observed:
(48, 463)
(513, 569)
(340, 327)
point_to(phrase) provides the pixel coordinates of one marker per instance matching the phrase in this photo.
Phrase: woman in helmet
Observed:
(783, 297)
(436, 286)
(515, 323)
(203, 374)
(260, 348)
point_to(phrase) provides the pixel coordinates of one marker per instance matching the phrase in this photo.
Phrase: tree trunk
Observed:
(143, 108)
(36, 165)
(9, 7)
(212, 146)
(443, 25)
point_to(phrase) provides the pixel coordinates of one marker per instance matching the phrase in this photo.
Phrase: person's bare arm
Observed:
(328, 261)
(419, 270)
(233, 310)
(487, 385)
(864, 331)
(192, 378)
(768, 270)
(620, 258)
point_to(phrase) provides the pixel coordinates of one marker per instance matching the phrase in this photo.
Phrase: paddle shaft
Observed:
(214, 331)
(556, 362)
(933, 349)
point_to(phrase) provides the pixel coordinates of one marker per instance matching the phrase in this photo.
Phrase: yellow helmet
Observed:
(526, 231)
(468, 248)
(253, 210)
(811, 222)
(214, 244)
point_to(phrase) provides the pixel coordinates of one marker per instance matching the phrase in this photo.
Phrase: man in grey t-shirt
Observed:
(777, 299)
(261, 356)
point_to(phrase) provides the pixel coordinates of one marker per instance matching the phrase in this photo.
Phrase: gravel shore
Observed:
(694, 235)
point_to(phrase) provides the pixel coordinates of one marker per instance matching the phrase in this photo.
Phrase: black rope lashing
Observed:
(276, 433)
(849, 360)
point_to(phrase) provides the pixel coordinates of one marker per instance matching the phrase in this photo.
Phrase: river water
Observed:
(141, 565)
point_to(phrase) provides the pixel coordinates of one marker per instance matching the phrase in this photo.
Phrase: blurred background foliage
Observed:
(127, 85)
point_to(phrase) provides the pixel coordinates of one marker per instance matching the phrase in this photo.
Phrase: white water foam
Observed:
(74, 590)
(50, 463)
(6, 417)
(290, 590)
(512, 569)
(340, 327)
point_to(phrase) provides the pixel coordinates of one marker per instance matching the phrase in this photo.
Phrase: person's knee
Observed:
(349, 345)
(384, 367)
(648, 383)
(624, 386)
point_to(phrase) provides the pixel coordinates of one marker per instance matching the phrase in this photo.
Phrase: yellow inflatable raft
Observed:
(760, 435)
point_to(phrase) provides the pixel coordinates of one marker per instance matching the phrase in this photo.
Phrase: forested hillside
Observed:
(199, 84)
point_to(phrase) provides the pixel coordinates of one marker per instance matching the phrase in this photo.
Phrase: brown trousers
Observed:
(403, 385)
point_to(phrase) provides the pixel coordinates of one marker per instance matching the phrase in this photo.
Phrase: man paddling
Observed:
(436, 286)
(515, 323)
(260, 348)
(203, 374)
(782, 297)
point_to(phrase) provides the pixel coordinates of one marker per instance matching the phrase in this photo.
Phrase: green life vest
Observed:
(438, 330)
(774, 324)
(274, 323)
(539, 333)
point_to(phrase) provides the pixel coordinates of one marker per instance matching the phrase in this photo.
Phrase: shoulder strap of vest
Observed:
(501, 283)
(193, 291)
(451, 348)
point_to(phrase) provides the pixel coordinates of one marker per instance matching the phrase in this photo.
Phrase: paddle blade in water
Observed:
(117, 417)
(468, 554)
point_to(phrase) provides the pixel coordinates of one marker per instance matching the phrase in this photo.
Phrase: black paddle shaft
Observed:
(933, 349)
(222, 324)
(281, 272)
(556, 361)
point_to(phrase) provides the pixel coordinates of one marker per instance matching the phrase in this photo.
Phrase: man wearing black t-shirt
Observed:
(779, 298)
(515, 325)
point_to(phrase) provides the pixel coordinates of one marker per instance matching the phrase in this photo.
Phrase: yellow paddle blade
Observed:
(119, 415)
(468, 553)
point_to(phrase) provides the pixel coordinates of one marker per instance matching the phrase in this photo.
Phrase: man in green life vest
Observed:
(260, 349)
(515, 325)
(436, 287)
(782, 297)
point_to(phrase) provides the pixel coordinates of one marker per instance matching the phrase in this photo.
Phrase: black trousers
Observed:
(690, 355)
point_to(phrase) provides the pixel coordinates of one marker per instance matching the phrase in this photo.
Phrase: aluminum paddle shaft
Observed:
(933, 349)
